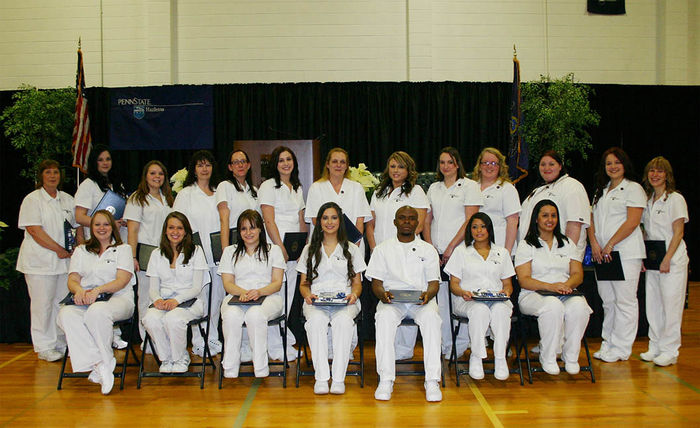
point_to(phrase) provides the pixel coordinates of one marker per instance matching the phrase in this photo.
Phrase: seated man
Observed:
(406, 263)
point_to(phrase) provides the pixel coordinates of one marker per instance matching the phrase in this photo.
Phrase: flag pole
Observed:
(77, 170)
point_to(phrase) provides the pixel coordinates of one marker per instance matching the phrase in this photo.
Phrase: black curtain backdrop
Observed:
(372, 119)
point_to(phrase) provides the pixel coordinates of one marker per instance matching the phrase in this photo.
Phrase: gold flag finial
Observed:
(515, 52)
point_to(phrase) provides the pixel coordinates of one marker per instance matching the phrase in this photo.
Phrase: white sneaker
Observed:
(117, 341)
(476, 368)
(604, 347)
(649, 355)
(51, 355)
(611, 357)
(246, 354)
(432, 391)
(664, 360)
(106, 377)
(501, 371)
(550, 367)
(404, 356)
(230, 373)
(572, 368)
(94, 376)
(198, 350)
(214, 347)
(181, 366)
(536, 349)
(166, 367)
(338, 388)
(384, 390)
(321, 387)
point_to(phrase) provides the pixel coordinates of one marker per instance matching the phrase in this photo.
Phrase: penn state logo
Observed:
(111, 210)
(139, 112)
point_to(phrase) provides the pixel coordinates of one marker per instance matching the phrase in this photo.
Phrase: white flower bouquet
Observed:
(178, 179)
(363, 176)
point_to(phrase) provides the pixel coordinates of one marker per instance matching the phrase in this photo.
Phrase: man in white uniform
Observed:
(406, 263)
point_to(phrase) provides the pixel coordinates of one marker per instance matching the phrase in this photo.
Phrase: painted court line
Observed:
(247, 403)
(664, 371)
(485, 405)
(510, 412)
(12, 360)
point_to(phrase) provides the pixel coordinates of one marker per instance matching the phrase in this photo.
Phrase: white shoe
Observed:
(550, 367)
(572, 368)
(404, 356)
(181, 366)
(338, 388)
(246, 354)
(604, 347)
(118, 342)
(198, 350)
(611, 357)
(384, 390)
(106, 378)
(432, 391)
(166, 367)
(476, 368)
(214, 347)
(321, 387)
(51, 355)
(649, 355)
(536, 349)
(94, 376)
(230, 373)
(664, 360)
(501, 371)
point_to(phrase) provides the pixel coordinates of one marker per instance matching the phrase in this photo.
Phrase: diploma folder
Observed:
(294, 244)
(354, 234)
(574, 292)
(611, 271)
(236, 301)
(406, 296)
(112, 202)
(68, 300)
(185, 304)
(656, 251)
(143, 255)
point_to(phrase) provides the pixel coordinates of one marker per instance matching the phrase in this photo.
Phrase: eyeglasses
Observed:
(238, 162)
(489, 163)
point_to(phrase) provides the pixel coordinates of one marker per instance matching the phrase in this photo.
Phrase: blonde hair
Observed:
(663, 164)
(503, 176)
(325, 174)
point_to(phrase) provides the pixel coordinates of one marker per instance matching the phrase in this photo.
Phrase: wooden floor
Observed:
(626, 393)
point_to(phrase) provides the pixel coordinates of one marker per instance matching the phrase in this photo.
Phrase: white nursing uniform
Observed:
(406, 266)
(236, 201)
(385, 207)
(501, 200)
(88, 329)
(150, 217)
(168, 329)
(665, 292)
(249, 272)
(333, 278)
(88, 196)
(203, 216)
(476, 273)
(46, 275)
(447, 208)
(620, 306)
(554, 314)
(351, 199)
(572, 202)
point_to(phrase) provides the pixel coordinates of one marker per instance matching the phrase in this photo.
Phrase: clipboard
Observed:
(354, 234)
(656, 251)
(294, 244)
(185, 304)
(574, 292)
(488, 296)
(611, 271)
(112, 202)
(215, 239)
(68, 300)
(143, 254)
(236, 301)
(406, 296)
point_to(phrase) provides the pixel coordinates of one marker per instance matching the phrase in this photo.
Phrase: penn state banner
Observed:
(161, 118)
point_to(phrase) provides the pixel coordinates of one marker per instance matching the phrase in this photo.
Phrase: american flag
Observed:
(82, 141)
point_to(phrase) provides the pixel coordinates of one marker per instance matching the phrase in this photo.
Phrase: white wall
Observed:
(153, 42)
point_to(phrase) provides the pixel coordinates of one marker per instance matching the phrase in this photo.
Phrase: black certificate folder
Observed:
(294, 244)
(112, 202)
(354, 234)
(656, 251)
(611, 271)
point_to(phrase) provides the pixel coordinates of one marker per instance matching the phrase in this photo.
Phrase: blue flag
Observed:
(517, 149)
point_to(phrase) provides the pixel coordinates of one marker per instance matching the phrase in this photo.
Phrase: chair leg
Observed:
(221, 368)
(453, 356)
(588, 358)
(284, 346)
(362, 360)
(298, 364)
(63, 369)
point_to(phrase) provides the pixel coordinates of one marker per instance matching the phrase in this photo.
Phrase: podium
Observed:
(308, 154)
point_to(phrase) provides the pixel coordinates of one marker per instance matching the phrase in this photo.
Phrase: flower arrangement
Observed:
(362, 175)
(178, 179)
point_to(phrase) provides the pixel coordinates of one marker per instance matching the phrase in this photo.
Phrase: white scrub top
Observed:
(658, 221)
(249, 272)
(447, 207)
(177, 283)
(610, 212)
(236, 201)
(501, 200)
(286, 202)
(333, 271)
(97, 270)
(351, 199)
(201, 211)
(385, 208)
(404, 266)
(150, 217)
(548, 264)
(474, 272)
(40, 209)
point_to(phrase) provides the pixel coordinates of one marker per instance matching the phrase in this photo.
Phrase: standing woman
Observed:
(250, 269)
(145, 213)
(481, 264)
(454, 198)
(177, 272)
(618, 204)
(569, 195)
(103, 265)
(235, 195)
(282, 204)
(197, 201)
(501, 199)
(43, 258)
(330, 264)
(664, 219)
(547, 260)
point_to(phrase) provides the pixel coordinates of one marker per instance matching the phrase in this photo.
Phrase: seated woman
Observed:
(177, 272)
(548, 261)
(102, 266)
(251, 270)
(330, 265)
(480, 264)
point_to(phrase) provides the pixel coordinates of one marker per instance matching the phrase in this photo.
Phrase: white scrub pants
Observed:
(554, 316)
(665, 297)
(447, 325)
(45, 291)
(621, 310)
(275, 344)
(144, 298)
(168, 330)
(89, 330)
(217, 296)
(342, 320)
(255, 318)
(482, 315)
(388, 318)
